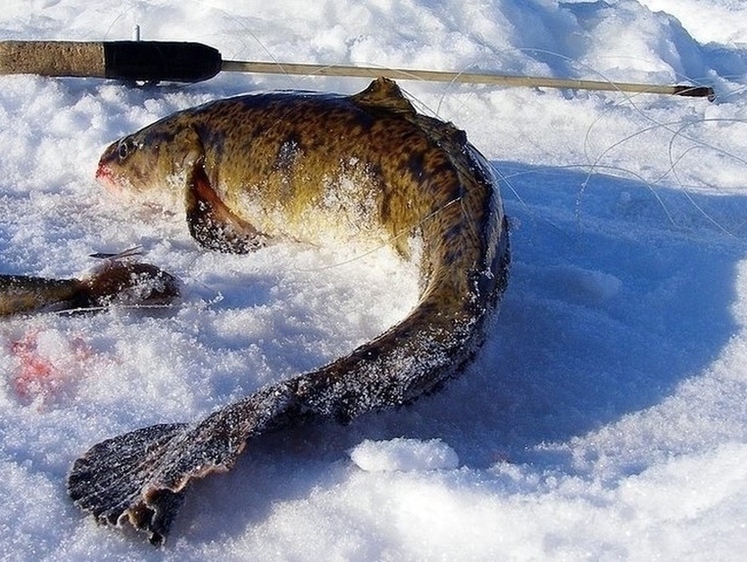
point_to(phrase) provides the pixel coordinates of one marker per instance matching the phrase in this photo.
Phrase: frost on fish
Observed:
(259, 167)
(111, 491)
(141, 477)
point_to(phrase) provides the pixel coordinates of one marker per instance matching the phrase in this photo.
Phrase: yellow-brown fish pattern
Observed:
(289, 166)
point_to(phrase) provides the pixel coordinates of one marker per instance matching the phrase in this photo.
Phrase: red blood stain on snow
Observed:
(44, 371)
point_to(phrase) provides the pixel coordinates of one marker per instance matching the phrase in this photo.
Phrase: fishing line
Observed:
(673, 161)
(703, 145)
(390, 242)
(593, 163)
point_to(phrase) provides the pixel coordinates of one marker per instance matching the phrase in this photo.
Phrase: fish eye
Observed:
(124, 148)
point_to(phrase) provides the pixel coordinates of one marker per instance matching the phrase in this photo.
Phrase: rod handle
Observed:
(147, 61)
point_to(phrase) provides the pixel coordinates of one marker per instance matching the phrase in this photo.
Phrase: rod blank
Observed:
(463, 77)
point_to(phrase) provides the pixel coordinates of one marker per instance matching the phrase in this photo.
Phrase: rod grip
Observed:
(52, 58)
(147, 61)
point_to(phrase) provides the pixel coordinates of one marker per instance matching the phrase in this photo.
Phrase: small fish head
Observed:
(144, 165)
(127, 165)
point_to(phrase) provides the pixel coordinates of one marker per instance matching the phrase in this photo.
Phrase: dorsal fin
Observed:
(455, 134)
(384, 93)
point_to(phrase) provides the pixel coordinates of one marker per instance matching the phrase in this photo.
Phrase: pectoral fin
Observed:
(212, 223)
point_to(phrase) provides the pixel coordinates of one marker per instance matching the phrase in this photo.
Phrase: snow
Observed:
(403, 454)
(606, 416)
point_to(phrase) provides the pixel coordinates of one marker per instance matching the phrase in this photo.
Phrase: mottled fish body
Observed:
(294, 166)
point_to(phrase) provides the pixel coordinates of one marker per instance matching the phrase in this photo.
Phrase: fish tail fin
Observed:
(141, 477)
(110, 478)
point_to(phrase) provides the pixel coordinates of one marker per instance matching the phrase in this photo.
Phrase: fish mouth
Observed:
(106, 178)
(122, 190)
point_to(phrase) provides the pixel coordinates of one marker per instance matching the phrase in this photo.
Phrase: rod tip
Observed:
(695, 92)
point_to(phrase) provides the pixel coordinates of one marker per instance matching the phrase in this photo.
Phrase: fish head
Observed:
(150, 164)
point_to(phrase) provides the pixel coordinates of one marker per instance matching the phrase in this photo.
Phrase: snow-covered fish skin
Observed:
(296, 166)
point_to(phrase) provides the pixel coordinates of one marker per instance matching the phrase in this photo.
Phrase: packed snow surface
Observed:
(604, 419)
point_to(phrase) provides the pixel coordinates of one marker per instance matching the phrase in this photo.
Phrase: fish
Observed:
(287, 167)
(118, 281)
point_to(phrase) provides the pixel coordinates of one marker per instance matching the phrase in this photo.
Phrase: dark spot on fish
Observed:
(415, 165)
(211, 136)
(156, 137)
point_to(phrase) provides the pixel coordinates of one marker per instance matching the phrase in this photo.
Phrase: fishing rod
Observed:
(174, 61)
